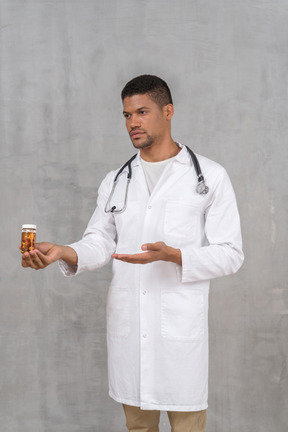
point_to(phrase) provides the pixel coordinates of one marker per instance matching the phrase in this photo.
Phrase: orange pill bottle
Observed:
(28, 239)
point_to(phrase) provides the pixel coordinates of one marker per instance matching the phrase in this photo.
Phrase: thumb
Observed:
(150, 246)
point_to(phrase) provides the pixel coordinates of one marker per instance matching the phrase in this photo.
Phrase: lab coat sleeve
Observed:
(223, 255)
(99, 239)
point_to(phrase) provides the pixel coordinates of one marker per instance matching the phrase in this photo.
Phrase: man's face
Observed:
(146, 122)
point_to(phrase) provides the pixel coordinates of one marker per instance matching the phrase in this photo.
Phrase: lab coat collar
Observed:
(165, 182)
(182, 157)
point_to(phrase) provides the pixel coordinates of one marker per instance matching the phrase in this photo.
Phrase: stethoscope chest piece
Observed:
(201, 188)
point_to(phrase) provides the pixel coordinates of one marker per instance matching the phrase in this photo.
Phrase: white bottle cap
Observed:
(29, 226)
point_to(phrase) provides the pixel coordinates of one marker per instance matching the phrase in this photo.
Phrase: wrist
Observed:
(174, 255)
(68, 255)
(61, 252)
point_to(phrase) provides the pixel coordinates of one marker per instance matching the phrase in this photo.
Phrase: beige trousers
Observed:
(138, 420)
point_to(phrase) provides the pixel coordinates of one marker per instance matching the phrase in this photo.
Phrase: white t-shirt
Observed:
(153, 171)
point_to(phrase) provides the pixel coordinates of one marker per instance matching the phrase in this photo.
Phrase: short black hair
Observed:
(154, 86)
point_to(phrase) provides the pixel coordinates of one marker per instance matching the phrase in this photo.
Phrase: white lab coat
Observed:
(157, 314)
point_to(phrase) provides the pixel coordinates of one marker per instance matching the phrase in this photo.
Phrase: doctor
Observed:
(166, 246)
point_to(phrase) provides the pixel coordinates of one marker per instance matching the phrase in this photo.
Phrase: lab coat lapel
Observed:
(138, 176)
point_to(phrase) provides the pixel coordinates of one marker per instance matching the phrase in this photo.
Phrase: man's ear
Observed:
(168, 111)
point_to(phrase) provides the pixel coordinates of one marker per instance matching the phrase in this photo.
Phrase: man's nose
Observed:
(135, 122)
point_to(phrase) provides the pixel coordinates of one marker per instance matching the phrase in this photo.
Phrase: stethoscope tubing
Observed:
(128, 163)
(201, 187)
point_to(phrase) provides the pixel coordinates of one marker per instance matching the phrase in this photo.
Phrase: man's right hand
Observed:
(45, 254)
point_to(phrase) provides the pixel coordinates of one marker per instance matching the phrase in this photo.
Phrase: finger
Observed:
(38, 259)
(142, 258)
(128, 256)
(45, 259)
(27, 261)
(33, 260)
(24, 263)
(132, 261)
(152, 246)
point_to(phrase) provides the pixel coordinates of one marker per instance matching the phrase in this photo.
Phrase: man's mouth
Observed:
(136, 134)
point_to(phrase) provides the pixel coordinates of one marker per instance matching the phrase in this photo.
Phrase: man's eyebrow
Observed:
(138, 109)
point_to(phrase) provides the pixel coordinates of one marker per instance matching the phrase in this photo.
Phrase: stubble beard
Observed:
(147, 143)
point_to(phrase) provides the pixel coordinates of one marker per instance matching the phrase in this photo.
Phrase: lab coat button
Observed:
(149, 207)
(143, 292)
(144, 335)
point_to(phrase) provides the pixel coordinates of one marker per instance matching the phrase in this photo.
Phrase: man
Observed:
(167, 243)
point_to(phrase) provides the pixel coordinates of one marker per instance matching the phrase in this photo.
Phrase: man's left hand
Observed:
(158, 251)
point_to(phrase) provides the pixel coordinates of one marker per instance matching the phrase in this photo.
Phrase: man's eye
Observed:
(143, 112)
(127, 116)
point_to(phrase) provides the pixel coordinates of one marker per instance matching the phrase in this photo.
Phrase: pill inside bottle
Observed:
(28, 239)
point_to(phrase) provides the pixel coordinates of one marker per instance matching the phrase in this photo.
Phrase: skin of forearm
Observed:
(69, 255)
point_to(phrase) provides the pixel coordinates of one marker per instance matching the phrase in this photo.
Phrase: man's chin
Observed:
(142, 145)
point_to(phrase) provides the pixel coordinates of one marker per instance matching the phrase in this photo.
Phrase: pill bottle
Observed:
(28, 239)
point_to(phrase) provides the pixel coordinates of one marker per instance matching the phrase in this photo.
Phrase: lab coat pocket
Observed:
(182, 315)
(181, 220)
(117, 311)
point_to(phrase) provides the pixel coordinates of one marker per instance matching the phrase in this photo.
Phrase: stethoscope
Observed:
(201, 187)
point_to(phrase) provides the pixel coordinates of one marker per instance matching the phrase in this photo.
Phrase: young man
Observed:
(167, 241)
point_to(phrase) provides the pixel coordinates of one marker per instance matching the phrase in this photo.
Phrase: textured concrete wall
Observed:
(63, 64)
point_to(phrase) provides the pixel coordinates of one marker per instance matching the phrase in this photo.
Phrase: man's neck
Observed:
(158, 153)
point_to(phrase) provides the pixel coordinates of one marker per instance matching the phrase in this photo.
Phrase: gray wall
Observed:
(63, 65)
